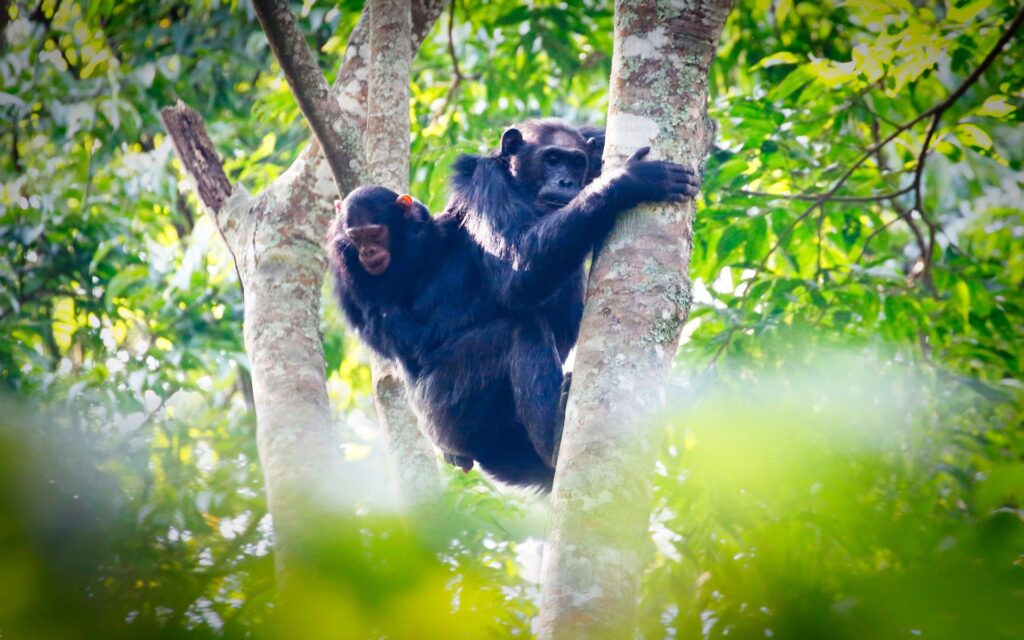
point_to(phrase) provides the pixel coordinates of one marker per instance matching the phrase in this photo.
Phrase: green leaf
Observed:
(732, 237)
(967, 12)
(973, 136)
(782, 57)
(123, 280)
(794, 81)
(996, 107)
(961, 296)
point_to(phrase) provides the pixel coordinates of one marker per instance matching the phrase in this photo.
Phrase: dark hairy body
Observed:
(482, 305)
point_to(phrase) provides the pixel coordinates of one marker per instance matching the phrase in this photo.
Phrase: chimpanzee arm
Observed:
(556, 245)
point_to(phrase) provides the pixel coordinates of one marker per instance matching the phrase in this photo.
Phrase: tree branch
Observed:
(457, 76)
(387, 122)
(820, 197)
(203, 165)
(338, 138)
(197, 154)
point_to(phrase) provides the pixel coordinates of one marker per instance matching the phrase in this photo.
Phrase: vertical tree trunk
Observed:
(411, 458)
(638, 297)
(276, 239)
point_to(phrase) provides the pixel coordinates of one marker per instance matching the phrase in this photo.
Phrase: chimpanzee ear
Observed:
(405, 200)
(511, 140)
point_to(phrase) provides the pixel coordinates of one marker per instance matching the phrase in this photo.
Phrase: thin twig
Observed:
(457, 76)
(815, 197)
(919, 201)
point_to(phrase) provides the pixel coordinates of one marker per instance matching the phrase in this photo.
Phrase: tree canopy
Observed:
(843, 451)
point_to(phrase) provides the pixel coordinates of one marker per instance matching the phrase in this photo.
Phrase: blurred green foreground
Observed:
(839, 501)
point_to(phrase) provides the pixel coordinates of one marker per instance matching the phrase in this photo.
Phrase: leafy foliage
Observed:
(865, 192)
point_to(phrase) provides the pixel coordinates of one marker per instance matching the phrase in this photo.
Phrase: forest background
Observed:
(843, 455)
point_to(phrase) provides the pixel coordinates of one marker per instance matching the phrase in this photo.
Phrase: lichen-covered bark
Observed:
(410, 456)
(638, 297)
(277, 240)
(281, 261)
(276, 246)
(387, 122)
(412, 464)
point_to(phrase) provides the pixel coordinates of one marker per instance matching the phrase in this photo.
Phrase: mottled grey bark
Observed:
(411, 457)
(387, 122)
(638, 297)
(277, 250)
(277, 240)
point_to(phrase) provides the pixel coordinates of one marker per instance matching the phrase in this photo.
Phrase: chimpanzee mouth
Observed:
(553, 203)
(376, 266)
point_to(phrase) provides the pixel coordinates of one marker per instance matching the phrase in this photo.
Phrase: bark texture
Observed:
(280, 265)
(387, 123)
(638, 297)
(277, 241)
(411, 457)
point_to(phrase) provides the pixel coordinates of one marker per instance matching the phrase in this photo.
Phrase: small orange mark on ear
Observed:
(405, 200)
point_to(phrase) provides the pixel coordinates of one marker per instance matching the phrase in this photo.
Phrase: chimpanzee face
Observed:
(550, 162)
(369, 214)
(560, 172)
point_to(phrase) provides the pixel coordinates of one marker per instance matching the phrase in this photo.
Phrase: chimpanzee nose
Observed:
(566, 183)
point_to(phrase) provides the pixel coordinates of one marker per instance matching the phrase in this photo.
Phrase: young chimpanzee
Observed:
(382, 248)
(483, 329)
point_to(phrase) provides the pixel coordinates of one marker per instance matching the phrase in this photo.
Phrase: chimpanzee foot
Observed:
(463, 462)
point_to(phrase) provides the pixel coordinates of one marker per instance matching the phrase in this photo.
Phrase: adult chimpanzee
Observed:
(482, 331)
(534, 222)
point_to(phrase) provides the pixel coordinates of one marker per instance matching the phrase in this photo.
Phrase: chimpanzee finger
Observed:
(683, 172)
(686, 178)
(684, 190)
(639, 155)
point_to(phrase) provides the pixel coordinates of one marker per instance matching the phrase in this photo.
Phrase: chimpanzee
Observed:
(483, 327)
(382, 247)
(534, 222)
(409, 286)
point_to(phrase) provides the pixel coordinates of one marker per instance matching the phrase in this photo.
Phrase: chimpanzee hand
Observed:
(658, 181)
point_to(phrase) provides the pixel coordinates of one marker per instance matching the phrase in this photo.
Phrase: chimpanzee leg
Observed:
(536, 374)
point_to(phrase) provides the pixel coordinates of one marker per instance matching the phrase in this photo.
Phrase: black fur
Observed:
(486, 306)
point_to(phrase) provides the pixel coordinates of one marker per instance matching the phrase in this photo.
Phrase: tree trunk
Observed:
(277, 239)
(411, 458)
(638, 297)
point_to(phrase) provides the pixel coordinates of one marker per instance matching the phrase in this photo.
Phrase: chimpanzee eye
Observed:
(550, 160)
